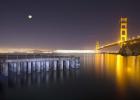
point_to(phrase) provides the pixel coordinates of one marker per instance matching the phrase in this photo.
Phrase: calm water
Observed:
(101, 76)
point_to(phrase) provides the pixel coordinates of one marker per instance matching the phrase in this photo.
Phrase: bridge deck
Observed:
(137, 39)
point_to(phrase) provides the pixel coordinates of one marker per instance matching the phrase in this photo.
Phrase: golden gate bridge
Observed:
(124, 41)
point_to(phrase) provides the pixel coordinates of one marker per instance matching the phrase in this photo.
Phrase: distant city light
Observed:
(74, 51)
(28, 50)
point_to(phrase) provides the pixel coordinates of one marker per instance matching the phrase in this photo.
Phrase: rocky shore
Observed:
(130, 50)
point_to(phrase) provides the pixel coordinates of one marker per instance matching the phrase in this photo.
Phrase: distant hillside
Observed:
(130, 49)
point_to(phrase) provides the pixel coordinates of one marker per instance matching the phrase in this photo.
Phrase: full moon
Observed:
(30, 16)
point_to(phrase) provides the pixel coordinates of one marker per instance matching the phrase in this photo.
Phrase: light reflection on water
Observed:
(38, 79)
(125, 71)
(96, 72)
(111, 65)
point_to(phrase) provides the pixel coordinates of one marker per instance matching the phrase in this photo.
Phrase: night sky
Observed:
(64, 24)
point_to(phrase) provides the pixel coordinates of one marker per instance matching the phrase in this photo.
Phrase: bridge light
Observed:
(133, 37)
(138, 36)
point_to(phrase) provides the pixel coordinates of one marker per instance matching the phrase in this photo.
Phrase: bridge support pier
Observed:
(72, 64)
(67, 64)
(41, 65)
(25, 66)
(5, 69)
(15, 67)
(77, 63)
(47, 65)
(18, 68)
(61, 64)
(55, 65)
(29, 67)
(33, 66)
(38, 66)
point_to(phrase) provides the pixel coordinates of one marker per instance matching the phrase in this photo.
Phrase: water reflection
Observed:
(103, 76)
(43, 78)
(125, 70)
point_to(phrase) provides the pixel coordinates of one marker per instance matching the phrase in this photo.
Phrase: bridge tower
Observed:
(123, 31)
(97, 46)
